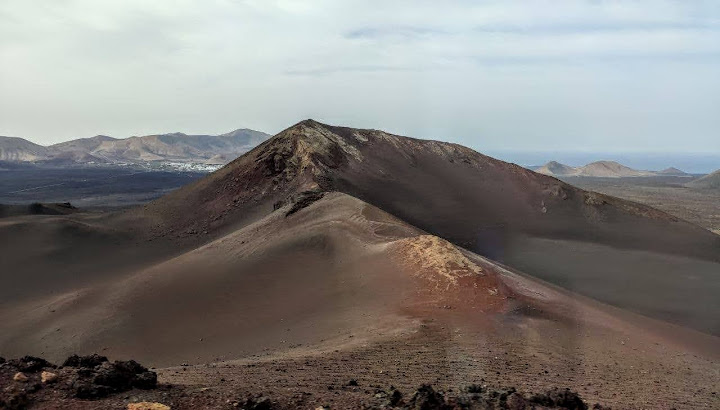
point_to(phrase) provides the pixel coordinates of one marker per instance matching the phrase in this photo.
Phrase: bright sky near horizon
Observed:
(511, 75)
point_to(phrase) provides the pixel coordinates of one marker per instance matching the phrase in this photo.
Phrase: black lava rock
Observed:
(87, 390)
(565, 399)
(107, 377)
(30, 364)
(91, 361)
(426, 398)
(145, 380)
(260, 403)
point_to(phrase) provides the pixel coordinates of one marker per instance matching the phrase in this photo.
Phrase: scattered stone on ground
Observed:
(81, 377)
(476, 397)
(257, 403)
(48, 377)
(95, 378)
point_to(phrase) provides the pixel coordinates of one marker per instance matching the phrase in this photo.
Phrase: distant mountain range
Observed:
(104, 150)
(602, 169)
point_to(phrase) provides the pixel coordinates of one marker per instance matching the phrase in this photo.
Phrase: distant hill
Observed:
(711, 180)
(101, 149)
(556, 168)
(602, 169)
(672, 171)
(18, 149)
(82, 144)
(214, 149)
(77, 151)
(610, 169)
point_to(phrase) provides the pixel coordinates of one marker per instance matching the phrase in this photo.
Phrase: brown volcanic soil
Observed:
(621, 370)
(611, 357)
(670, 194)
(309, 289)
(51, 254)
(340, 290)
(332, 268)
(447, 189)
(482, 204)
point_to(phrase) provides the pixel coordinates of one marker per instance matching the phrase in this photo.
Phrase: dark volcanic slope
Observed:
(447, 189)
(311, 289)
(491, 207)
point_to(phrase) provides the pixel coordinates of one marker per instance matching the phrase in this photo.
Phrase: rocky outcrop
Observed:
(81, 377)
(107, 378)
(29, 364)
(475, 397)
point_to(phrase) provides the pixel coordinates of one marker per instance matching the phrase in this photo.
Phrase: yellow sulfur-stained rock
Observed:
(48, 377)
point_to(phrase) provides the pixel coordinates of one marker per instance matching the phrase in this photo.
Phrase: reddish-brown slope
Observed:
(446, 189)
(335, 268)
(493, 208)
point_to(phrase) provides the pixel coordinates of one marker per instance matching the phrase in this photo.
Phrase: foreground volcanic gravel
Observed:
(457, 371)
(93, 382)
(346, 268)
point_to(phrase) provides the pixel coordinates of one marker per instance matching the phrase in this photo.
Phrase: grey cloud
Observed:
(579, 75)
(392, 31)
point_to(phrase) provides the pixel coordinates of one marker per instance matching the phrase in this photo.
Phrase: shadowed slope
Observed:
(46, 255)
(335, 268)
(493, 208)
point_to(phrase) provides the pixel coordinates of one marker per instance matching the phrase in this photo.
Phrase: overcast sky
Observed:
(540, 75)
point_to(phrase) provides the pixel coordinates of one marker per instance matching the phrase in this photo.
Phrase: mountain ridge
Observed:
(498, 210)
(19, 149)
(367, 163)
(602, 169)
(101, 149)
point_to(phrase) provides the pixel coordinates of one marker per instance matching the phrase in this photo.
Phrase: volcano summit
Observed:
(329, 253)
